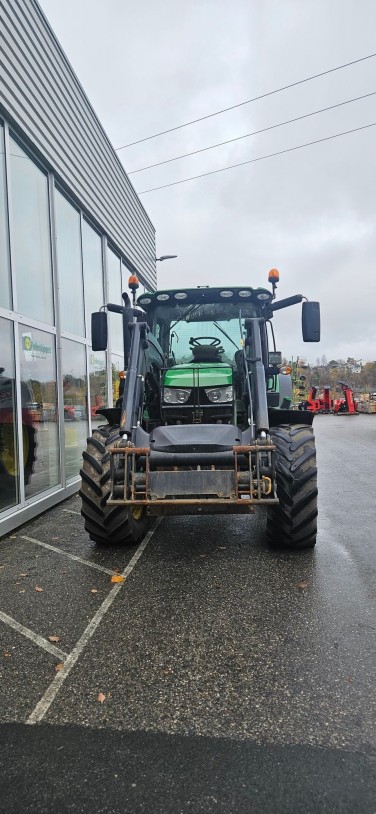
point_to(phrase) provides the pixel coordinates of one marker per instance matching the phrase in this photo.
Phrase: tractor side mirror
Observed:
(311, 321)
(99, 330)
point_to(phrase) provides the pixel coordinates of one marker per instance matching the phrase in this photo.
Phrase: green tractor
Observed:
(204, 423)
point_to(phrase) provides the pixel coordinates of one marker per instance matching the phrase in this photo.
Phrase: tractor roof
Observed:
(204, 294)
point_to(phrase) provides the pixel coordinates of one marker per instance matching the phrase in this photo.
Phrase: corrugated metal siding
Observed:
(41, 93)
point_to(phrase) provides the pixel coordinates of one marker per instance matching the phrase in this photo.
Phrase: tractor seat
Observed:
(207, 353)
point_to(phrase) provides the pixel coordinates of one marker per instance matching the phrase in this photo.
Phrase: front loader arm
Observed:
(132, 403)
(256, 372)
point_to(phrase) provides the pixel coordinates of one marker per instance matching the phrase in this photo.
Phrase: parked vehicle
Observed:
(204, 421)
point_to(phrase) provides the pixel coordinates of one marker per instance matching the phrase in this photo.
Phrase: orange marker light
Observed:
(133, 281)
(273, 276)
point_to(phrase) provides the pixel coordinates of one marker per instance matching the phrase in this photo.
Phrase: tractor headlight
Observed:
(220, 394)
(175, 395)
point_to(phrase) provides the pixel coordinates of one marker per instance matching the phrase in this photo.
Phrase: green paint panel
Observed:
(203, 374)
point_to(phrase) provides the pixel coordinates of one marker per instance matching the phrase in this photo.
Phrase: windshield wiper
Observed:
(184, 316)
(225, 334)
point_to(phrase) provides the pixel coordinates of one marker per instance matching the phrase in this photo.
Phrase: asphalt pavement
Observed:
(219, 675)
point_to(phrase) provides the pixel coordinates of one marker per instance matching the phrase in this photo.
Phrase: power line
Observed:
(248, 101)
(254, 133)
(260, 158)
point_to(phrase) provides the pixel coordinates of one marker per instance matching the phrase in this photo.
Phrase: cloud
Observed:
(311, 213)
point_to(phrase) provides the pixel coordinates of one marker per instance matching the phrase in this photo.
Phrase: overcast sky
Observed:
(153, 64)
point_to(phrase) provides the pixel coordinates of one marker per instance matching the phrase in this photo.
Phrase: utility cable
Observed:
(254, 133)
(260, 158)
(248, 101)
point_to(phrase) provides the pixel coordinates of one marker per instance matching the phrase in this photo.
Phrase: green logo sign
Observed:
(35, 350)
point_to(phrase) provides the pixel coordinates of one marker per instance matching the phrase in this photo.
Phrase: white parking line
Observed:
(44, 704)
(69, 555)
(34, 637)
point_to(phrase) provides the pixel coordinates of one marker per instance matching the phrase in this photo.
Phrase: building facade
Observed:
(72, 230)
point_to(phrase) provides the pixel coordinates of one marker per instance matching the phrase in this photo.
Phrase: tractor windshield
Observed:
(210, 323)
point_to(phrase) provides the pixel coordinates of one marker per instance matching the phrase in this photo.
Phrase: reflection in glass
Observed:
(114, 295)
(5, 293)
(125, 275)
(93, 272)
(69, 266)
(38, 382)
(76, 428)
(117, 364)
(9, 480)
(98, 386)
(31, 237)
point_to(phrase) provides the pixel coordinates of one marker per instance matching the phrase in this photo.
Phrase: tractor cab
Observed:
(201, 336)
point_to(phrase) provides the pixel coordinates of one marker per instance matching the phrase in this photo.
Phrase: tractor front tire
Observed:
(293, 523)
(106, 525)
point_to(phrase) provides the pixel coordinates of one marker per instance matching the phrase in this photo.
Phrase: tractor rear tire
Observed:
(106, 525)
(293, 523)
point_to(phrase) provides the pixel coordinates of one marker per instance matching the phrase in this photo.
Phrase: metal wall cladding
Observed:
(40, 92)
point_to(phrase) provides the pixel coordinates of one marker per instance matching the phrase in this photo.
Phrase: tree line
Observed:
(360, 376)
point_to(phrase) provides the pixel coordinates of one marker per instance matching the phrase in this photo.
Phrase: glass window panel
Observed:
(125, 275)
(39, 398)
(69, 265)
(117, 364)
(98, 386)
(9, 481)
(5, 290)
(114, 295)
(76, 426)
(93, 272)
(31, 236)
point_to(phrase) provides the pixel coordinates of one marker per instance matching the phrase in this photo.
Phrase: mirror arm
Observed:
(276, 306)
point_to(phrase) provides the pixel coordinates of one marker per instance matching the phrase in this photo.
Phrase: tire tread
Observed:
(105, 524)
(293, 523)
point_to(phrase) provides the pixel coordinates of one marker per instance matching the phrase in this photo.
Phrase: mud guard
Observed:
(277, 417)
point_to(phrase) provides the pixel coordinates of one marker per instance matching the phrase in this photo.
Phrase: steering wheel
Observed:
(195, 341)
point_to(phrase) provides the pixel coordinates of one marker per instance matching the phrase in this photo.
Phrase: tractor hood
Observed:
(199, 374)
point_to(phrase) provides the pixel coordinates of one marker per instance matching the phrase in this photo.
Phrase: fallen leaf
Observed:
(222, 548)
(101, 697)
(94, 590)
(18, 583)
(167, 672)
(302, 585)
(39, 590)
(24, 575)
(117, 578)
(22, 591)
(2, 566)
(54, 638)
(59, 666)
(6, 654)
